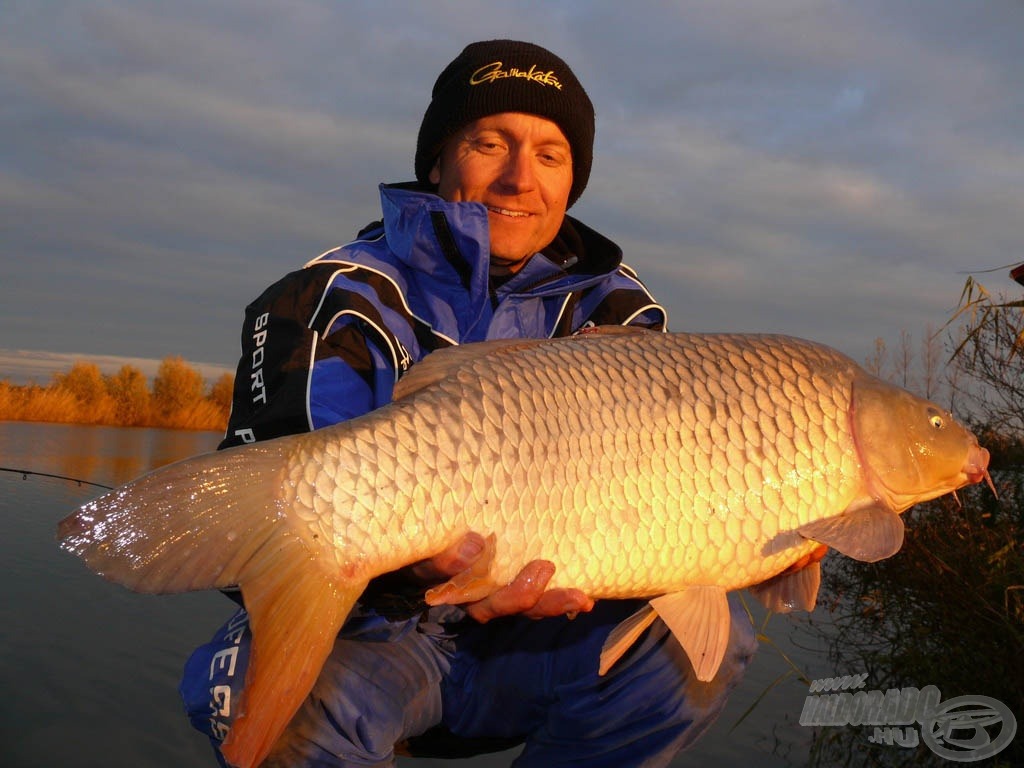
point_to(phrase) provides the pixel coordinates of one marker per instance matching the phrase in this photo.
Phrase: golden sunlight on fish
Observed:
(671, 466)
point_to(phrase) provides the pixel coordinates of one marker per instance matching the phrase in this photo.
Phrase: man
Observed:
(479, 248)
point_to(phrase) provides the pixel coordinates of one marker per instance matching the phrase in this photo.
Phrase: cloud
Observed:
(819, 168)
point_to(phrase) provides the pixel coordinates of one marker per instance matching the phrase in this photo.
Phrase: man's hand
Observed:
(524, 595)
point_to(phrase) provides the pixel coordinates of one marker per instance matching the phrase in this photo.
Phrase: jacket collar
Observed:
(448, 239)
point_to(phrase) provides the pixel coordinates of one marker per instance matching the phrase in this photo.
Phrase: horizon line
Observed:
(27, 366)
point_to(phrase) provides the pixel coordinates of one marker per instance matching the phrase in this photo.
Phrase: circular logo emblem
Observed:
(968, 728)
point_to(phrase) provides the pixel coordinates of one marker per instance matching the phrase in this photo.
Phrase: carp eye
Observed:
(937, 420)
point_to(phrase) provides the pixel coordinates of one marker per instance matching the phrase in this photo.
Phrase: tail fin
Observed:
(215, 521)
(295, 615)
(191, 525)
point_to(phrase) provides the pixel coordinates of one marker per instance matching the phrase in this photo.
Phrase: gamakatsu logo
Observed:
(489, 73)
(962, 729)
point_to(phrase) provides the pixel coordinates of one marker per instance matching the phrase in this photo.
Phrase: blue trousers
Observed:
(513, 679)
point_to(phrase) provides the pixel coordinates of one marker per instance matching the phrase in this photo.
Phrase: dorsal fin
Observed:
(443, 362)
(612, 330)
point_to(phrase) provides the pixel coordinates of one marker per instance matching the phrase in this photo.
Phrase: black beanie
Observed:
(508, 76)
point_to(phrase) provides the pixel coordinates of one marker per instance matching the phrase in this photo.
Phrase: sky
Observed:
(819, 168)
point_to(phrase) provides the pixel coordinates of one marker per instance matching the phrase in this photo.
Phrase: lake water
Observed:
(89, 671)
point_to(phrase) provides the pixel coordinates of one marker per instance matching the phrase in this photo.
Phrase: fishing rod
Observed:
(25, 473)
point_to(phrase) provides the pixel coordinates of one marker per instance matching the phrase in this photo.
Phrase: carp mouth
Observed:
(976, 467)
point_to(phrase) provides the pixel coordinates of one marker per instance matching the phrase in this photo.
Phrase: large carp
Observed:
(671, 466)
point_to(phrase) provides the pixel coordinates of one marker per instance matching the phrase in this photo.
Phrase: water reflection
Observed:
(168, 445)
(107, 455)
(89, 670)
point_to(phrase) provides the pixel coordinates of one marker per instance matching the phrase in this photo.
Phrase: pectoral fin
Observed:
(699, 618)
(869, 533)
(791, 590)
(794, 588)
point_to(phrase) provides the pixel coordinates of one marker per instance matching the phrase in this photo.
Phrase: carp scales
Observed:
(670, 466)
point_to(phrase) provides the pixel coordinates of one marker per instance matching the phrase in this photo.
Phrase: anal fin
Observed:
(869, 533)
(295, 610)
(621, 638)
(698, 616)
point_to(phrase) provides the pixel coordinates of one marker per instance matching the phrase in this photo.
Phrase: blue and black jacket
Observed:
(327, 342)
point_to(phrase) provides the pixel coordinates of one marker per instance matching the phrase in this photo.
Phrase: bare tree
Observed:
(932, 363)
(904, 363)
(876, 364)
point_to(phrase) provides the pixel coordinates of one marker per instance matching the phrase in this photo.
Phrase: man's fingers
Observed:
(518, 597)
(457, 558)
(526, 595)
(559, 602)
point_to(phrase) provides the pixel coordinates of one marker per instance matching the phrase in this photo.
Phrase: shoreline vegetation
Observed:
(178, 398)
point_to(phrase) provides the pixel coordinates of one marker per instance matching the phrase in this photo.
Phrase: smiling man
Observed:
(480, 247)
(520, 167)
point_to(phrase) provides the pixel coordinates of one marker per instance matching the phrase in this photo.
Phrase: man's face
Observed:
(520, 167)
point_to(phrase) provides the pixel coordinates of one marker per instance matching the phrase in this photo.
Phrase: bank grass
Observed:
(48, 404)
(204, 415)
